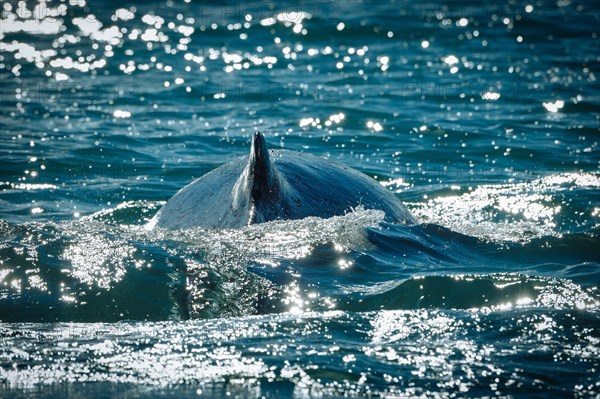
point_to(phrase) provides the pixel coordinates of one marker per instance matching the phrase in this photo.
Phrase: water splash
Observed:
(509, 212)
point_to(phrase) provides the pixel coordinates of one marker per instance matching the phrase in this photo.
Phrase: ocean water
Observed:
(483, 118)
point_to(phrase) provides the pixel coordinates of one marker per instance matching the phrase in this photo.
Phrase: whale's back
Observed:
(205, 202)
(277, 184)
(323, 188)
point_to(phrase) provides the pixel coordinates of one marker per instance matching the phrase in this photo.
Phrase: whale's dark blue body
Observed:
(277, 184)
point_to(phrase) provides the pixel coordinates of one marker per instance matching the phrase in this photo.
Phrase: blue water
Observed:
(484, 119)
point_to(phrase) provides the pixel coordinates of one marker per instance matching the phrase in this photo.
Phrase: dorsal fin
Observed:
(264, 182)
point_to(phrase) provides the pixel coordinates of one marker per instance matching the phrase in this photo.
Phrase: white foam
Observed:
(289, 239)
(505, 212)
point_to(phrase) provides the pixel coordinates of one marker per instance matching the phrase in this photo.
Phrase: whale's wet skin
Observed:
(295, 271)
(276, 185)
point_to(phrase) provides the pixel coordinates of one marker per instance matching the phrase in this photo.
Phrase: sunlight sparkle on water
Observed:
(374, 126)
(554, 106)
(527, 207)
(121, 114)
(397, 184)
(451, 60)
(491, 96)
(90, 256)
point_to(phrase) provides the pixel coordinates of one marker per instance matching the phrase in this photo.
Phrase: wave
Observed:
(107, 267)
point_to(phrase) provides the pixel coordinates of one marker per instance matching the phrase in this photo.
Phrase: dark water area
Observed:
(483, 118)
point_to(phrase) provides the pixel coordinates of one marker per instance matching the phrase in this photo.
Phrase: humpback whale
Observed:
(271, 185)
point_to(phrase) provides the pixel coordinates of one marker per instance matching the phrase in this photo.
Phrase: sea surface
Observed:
(482, 117)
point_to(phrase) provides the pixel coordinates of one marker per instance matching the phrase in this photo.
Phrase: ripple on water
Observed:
(107, 111)
(449, 352)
